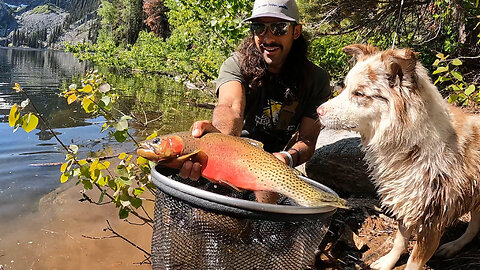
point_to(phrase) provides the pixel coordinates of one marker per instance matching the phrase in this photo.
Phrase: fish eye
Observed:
(156, 140)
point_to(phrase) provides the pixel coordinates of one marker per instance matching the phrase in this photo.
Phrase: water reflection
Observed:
(26, 174)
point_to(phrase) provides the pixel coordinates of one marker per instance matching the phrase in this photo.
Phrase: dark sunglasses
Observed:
(277, 28)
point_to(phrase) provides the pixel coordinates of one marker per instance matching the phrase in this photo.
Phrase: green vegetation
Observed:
(45, 9)
(198, 35)
(151, 111)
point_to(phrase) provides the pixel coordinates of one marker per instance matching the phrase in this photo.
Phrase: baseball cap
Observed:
(282, 9)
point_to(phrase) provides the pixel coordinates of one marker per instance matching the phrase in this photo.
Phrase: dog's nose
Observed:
(321, 111)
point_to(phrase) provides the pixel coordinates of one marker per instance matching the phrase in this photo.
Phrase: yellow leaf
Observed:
(87, 104)
(64, 178)
(82, 162)
(104, 165)
(141, 160)
(122, 156)
(30, 122)
(17, 88)
(93, 166)
(87, 89)
(129, 157)
(64, 167)
(153, 135)
(71, 98)
(13, 116)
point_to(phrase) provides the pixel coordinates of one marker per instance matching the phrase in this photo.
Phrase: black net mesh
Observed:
(186, 236)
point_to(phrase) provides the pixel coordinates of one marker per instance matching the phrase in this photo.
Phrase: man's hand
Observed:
(281, 157)
(193, 170)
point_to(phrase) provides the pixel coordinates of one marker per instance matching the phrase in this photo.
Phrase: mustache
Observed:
(273, 44)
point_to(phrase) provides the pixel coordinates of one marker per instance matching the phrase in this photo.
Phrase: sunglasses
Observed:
(277, 28)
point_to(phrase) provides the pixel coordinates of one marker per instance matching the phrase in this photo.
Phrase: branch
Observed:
(117, 235)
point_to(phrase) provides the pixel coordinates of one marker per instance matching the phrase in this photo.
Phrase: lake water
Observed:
(25, 175)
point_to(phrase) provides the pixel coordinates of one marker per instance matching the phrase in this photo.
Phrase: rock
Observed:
(338, 163)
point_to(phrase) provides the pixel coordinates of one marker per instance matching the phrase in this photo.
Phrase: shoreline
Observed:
(59, 235)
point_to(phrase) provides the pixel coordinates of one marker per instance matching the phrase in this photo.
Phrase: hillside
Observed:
(41, 24)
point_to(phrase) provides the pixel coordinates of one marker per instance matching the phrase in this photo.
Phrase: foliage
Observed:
(45, 9)
(129, 179)
(327, 52)
(28, 121)
(462, 92)
(124, 179)
(121, 20)
(203, 34)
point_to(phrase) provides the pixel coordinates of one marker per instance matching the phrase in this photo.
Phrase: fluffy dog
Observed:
(424, 155)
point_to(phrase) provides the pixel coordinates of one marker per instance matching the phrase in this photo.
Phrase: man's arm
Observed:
(303, 149)
(228, 114)
(227, 118)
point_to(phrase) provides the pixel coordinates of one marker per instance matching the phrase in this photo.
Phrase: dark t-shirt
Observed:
(269, 118)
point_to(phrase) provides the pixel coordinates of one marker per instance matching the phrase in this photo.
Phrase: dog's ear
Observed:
(400, 64)
(359, 51)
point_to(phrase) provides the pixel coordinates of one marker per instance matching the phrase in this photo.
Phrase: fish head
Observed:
(161, 148)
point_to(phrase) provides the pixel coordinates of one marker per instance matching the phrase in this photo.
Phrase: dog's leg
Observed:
(399, 246)
(427, 243)
(453, 247)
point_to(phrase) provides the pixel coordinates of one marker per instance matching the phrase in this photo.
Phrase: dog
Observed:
(423, 153)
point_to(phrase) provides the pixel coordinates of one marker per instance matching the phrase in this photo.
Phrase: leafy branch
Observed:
(448, 70)
(126, 183)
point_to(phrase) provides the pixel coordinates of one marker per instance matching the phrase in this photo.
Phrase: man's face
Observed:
(275, 48)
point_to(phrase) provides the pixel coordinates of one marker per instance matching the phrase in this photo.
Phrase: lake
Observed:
(30, 161)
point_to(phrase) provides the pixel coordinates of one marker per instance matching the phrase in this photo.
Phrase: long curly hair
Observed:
(254, 67)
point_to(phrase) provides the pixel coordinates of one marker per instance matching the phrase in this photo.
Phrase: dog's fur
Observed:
(424, 154)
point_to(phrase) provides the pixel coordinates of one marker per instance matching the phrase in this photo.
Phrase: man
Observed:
(268, 90)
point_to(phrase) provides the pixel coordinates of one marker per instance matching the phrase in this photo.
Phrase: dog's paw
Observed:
(449, 249)
(384, 263)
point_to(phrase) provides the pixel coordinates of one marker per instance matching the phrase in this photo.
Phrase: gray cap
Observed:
(282, 9)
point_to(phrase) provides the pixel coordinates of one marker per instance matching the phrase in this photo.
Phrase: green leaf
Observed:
(456, 62)
(470, 89)
(436, 63)
(136, 202)
(13, 115)
(138, 191)
(452, 98)
(457, 75)
(123, 213)
(87, 184)
(440, 70)
(120, 135)
(30, 122)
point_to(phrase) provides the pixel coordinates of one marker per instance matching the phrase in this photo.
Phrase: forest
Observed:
(191, 38)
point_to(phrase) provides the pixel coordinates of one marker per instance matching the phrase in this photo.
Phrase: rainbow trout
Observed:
(238, 163)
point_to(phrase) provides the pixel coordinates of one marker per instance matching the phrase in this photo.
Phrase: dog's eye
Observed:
(358, 94)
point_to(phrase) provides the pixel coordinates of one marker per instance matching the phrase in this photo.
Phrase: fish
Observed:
(238, 162)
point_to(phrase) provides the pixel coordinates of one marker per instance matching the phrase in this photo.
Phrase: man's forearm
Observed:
(301, 152)
(227, 120)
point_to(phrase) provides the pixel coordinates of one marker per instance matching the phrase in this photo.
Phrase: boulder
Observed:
(338, 163)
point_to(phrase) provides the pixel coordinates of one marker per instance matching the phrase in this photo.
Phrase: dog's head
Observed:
(376, 88)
